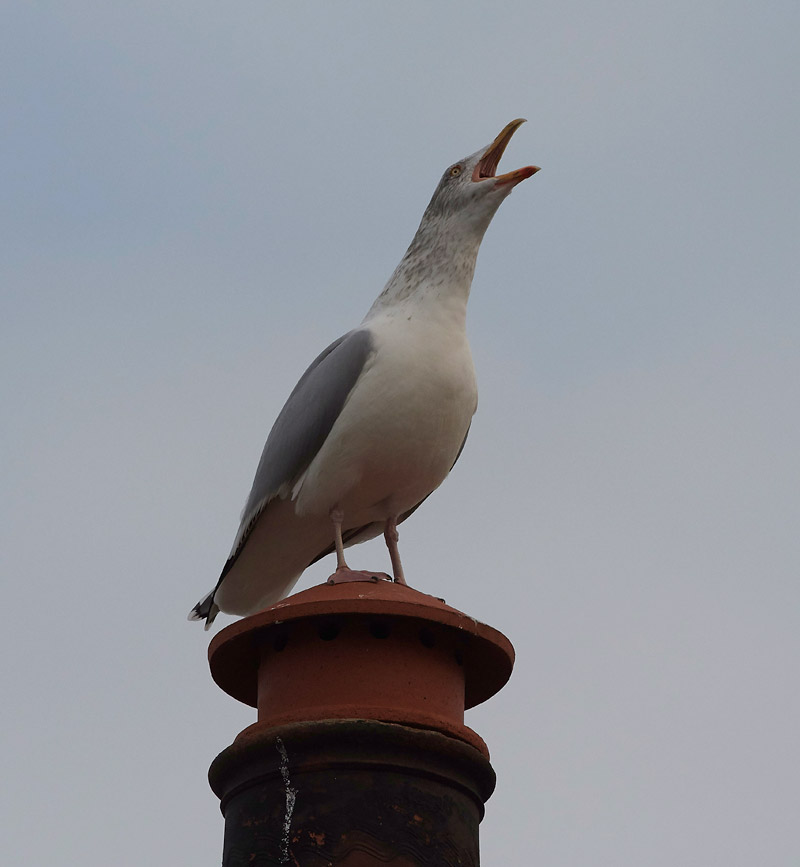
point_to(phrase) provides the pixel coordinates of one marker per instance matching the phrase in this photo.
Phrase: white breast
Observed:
(401, 429)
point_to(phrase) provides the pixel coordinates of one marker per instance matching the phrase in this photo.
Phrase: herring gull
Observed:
(380, 417)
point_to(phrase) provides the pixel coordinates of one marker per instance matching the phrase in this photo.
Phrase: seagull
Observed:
(378, 420)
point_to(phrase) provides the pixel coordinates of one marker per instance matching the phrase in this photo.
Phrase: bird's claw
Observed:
(342, 576)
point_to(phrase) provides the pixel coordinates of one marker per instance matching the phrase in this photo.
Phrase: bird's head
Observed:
(470, 191)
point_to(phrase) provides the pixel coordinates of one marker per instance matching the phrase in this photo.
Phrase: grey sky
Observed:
(197, 197)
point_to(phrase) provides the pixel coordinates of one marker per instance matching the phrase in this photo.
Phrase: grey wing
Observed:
(297, 435)
(305, 422)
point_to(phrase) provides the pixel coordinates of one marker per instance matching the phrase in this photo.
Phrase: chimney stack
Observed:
(359, 755)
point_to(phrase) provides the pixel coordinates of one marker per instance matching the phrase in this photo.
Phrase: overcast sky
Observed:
(197, 197)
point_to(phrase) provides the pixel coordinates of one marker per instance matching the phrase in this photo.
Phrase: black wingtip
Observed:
(206, 609)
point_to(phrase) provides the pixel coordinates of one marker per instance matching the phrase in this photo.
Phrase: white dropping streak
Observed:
(291, 796)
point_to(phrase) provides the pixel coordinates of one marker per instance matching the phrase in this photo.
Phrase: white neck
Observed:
(435, 274)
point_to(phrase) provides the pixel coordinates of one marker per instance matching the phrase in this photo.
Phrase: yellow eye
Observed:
(455, 171)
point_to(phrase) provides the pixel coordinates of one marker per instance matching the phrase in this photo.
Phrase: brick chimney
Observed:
(359, 755)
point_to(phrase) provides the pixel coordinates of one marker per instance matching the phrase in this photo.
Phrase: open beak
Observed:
(487, 165)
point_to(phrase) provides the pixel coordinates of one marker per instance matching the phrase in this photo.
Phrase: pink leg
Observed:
(391, 537)
(343, 572)
(337, 516)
